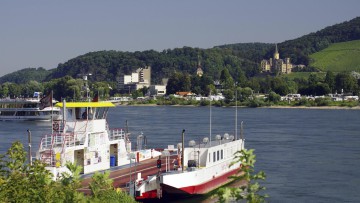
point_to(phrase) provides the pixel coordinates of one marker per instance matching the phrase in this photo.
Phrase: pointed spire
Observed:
(276, 54)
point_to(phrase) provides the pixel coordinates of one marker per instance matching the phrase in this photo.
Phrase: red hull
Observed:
(203, 188)
(147, 195)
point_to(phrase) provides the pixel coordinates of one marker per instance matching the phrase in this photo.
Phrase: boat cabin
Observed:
(82, 136)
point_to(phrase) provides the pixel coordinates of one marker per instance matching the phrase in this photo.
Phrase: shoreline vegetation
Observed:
(344, 105)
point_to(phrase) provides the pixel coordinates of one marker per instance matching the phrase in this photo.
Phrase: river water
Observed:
(307, 154)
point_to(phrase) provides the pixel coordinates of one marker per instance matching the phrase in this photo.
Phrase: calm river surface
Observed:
(308, 155)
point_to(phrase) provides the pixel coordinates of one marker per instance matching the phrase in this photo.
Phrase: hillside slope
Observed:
(344, 56)
(25, 75)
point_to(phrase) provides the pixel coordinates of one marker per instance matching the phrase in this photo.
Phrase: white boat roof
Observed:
(85, 104)
(213, 143)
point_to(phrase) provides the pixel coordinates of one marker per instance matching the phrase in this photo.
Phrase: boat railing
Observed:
(57, 140)
(116, 134)
(46, 142)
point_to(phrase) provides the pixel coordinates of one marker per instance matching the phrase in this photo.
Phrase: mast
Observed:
(52, 112)
(235, 111)
(182, 150)
(63, 115)
(210, 117)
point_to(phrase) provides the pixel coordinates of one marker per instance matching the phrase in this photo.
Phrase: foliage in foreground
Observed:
(250, 191)
(22, 182)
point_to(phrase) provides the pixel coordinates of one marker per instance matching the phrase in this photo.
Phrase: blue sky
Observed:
(45, 33)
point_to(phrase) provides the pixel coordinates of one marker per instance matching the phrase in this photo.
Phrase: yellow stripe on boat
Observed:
(85, 104)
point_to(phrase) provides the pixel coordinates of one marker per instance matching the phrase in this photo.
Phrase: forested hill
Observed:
(299, 49)
(106, 65)
(25, 75)
(240, 59)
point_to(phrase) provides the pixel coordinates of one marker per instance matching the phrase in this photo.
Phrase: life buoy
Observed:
(139, 183)
(56, 126)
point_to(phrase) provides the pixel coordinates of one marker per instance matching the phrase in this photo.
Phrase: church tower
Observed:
(199, 71)
(276, 54)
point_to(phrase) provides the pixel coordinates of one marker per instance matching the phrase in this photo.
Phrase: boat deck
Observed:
(121, 174)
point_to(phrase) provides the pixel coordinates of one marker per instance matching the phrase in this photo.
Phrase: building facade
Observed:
(137, 80)
(276, 65)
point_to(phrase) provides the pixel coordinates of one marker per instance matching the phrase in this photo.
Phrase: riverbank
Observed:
(270, 107)
(313, 107)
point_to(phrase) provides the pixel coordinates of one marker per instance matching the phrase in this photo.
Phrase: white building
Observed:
(157, 90)
(137, 80)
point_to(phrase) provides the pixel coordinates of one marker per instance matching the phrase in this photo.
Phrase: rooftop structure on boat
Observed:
(202, 167)
(83, 137)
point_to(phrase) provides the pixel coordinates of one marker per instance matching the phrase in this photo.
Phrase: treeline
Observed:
(63, 88)
(73, 88)
(313, 85)
(24, 182)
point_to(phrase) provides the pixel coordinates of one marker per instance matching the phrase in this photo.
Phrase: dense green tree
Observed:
(178, 82)
(30, 87)
(279, 86)
(273, 97)
(241, 78)
(4, 90)
(254, 84)
(345, 82)
(245, 93)
(173, 84)
(330, 80)
(22, 182)
(229, 95)
(226, 79)
(200, 85)
(14, 90)
(250, 189)
(313, 79)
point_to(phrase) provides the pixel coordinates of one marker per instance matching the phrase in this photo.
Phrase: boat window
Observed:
(222, 154)
(100, 113)
(218, 155)
(214, 156)
(78, 113)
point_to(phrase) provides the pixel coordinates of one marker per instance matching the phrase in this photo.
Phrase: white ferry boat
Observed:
(26, 109)
(204, 167)
(82, 136)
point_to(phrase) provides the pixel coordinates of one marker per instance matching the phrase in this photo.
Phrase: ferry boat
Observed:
(204, 167)
(83, 136)
(26, 109)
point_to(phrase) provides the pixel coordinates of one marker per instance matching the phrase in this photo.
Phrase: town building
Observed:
(137, 80)
(276, 65)
(159, 90)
